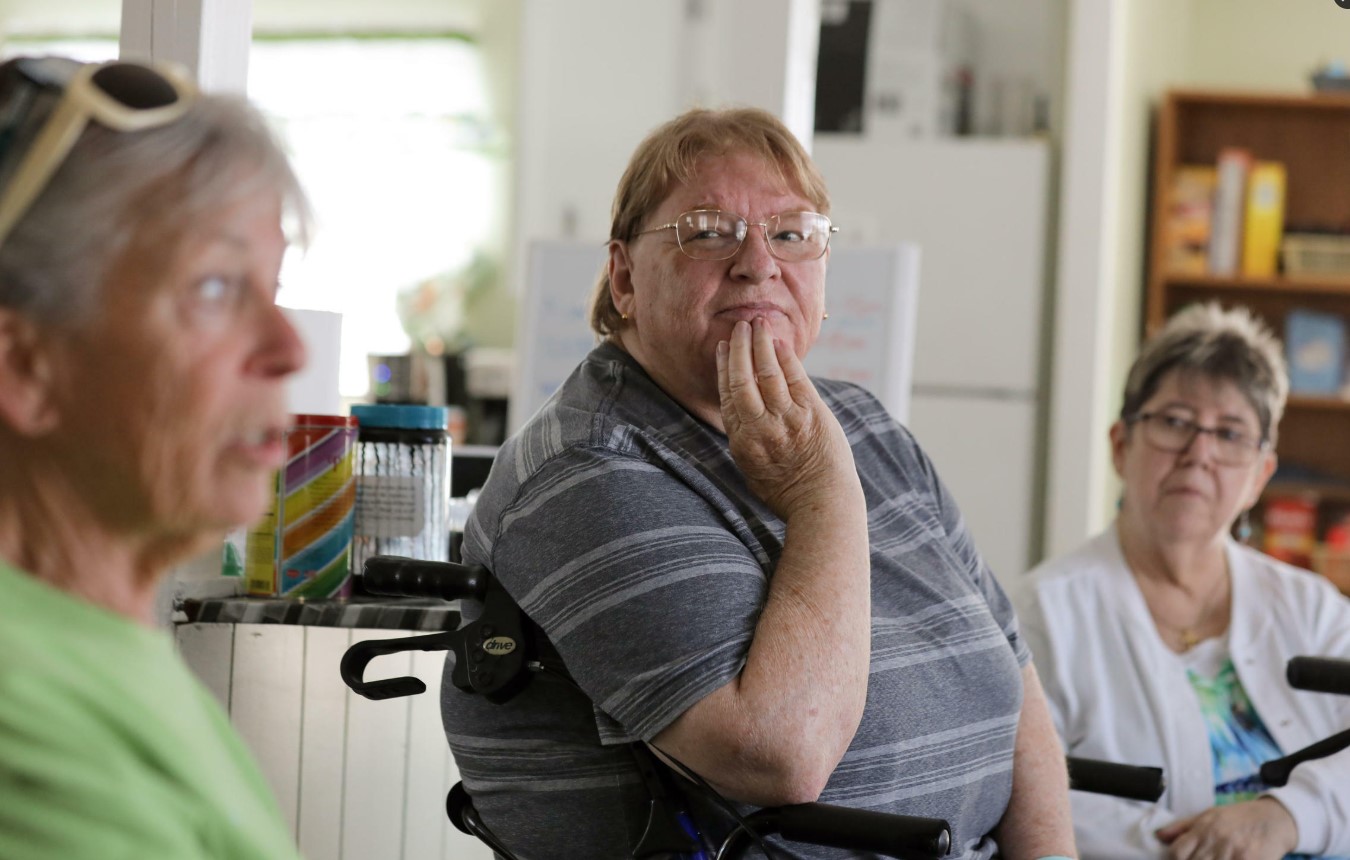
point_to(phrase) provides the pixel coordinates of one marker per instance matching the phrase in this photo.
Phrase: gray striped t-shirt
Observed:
(622, 527)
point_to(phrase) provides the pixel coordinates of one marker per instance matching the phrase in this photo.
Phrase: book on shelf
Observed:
(1314, 345)
(1188, 216)
(1263, 224)
(1230, 203)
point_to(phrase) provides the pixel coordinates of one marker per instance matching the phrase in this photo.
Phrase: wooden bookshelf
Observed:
(1303, 285)
(1300, 403)
(1310, 135)
(1337, 493)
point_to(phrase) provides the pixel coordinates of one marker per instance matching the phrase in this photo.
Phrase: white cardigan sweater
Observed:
(1118, 693)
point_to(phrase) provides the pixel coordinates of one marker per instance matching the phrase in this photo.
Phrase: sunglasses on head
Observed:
(117, 95)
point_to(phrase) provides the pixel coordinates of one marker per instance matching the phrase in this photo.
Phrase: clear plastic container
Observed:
(402, 483)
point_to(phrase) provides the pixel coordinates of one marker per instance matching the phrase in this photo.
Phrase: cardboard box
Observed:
(1190, 213)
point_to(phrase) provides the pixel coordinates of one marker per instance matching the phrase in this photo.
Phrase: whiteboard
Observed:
(553, 328)
(871, 295)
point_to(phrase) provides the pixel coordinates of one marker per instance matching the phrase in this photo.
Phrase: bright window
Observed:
(93, 50)
(390, 140)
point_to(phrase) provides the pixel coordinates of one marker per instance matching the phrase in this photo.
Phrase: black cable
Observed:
(715, 797)
(680, 768)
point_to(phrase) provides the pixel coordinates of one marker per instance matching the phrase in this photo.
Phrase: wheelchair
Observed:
(498, 653)
(1318, 675)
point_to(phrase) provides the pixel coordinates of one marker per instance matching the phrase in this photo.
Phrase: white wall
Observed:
(977, 210)
(587, 96)
(597, 75)
(1157, 36)
(1263, 45)
(1084, 297)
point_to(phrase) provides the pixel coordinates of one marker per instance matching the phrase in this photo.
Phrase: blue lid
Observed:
(401, 416)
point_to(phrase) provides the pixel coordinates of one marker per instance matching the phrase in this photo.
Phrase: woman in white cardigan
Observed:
(1162, 641)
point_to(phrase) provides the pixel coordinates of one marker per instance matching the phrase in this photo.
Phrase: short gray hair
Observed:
(146, 190)
(1223, 345)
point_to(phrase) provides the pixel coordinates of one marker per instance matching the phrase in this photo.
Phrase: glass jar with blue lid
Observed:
(402, 483)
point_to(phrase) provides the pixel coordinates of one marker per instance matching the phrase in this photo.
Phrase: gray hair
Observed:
(1223, 345)
(145, 190)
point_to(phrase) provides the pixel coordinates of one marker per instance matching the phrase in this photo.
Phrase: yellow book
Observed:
(1264, 224)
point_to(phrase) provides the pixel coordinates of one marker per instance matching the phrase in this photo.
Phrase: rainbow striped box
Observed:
(302, 547)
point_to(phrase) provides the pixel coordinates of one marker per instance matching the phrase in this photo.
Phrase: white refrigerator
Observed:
(977, 209)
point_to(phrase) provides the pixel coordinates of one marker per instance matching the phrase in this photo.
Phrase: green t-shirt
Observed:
(110, 748)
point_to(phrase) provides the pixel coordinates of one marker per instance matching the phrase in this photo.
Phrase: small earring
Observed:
(1244, 527)
(827, 316)
(623, 316)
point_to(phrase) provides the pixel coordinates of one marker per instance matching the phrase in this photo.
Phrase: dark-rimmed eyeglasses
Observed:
(1233, 446)
(118, 95)
(715, 234)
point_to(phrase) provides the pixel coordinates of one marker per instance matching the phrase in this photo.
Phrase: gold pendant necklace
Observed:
(1187, 637)
(1190, 636)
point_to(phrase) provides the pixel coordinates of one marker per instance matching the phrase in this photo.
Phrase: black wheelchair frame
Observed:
(498, 652)
(1318, 675)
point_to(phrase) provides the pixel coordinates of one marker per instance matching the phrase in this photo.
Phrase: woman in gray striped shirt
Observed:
(757, 573)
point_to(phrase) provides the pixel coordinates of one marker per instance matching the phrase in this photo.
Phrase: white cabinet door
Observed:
(356, 779)
(977, 210)
(984, 450)
(265, 705)
(323, 743)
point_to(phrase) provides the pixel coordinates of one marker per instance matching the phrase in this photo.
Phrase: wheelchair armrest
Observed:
(1132, 782)
(1319, 674)
(903, 836)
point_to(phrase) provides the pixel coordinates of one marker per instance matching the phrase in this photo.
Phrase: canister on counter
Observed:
(302, 547)
(402, 483)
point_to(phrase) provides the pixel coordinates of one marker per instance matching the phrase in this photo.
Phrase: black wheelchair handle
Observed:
(491, 652)
(1132, 782)
(394, 576)
(1319, 674)
(1275, 773)
(902, 836)
(358, 656)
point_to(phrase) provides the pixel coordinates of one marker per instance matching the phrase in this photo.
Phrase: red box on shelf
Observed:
(1291, 529)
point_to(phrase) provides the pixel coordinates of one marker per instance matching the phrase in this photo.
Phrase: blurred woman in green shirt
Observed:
(142, 369)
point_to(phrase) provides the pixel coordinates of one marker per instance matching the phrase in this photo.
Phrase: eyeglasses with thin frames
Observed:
(715, 234)
(1173, 434)
(117, 95)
